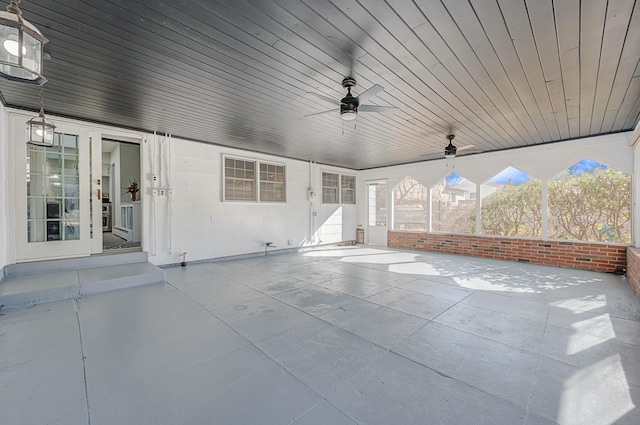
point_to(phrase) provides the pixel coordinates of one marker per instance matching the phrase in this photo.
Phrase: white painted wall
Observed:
(191, 217)
(5, 232)
(541, 161)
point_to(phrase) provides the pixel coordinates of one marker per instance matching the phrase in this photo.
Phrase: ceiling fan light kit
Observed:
(21, 45)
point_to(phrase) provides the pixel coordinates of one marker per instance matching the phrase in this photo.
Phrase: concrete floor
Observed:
(338, 336)
(111, 241)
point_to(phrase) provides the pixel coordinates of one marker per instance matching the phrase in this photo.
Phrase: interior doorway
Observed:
(121, 196)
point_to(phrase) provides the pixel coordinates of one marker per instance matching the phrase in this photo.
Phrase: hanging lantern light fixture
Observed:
(39, 130)
(20, 47)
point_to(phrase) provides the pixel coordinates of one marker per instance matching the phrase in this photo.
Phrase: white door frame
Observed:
(90, 171)
(376, 235)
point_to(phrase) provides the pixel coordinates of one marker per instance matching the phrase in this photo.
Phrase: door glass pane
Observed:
(377, 195)
(53, 203)
(35, 230)
(35, 208)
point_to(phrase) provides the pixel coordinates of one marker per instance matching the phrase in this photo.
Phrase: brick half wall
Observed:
(598, 257)
(633, 269)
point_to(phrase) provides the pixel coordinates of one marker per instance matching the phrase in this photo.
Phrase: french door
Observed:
(56, 192)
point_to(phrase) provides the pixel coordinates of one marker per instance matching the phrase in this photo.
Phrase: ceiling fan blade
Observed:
(373, 108)
(432, 155)
(323, 112)
(470, 151)
(465, 147)
(323, 97)
(368, 94)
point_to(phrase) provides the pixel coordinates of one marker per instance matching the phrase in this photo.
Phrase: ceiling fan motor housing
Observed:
(450, 151)
(349, 104)
(348, 108)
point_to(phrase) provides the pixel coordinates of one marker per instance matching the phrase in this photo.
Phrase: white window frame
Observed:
(224, 179)
(350, 189)
(257, 180)
(339, 194)
(272, 182)
(337, 188)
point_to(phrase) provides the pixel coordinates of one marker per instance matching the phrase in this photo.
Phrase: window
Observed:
(330, 188)
(410, 206)
(242, 177)
(338, 188)
(453, 208)
(590, 201)
(512, 204)
(239, 180)
(348, 185)
(272, 183)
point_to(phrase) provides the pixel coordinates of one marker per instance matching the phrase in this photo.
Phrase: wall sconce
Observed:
(20, 47)
(39, 130)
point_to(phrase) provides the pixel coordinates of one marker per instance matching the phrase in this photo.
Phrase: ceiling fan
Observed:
(350, 105)
(451, 150)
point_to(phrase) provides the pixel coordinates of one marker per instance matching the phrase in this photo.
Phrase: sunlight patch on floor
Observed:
(586, 303)
(586, 397)
(485, 285)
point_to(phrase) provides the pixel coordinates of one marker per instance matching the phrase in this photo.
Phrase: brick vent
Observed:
(598, 257)
(633, 269)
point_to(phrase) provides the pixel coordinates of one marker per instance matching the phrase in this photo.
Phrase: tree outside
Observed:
(410, 206)
(591, 206)
(587, 202)
(513, 206)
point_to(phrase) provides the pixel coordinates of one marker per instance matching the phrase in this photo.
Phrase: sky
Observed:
(510, 174)
(515, 176)
(586, 166)
(453, 178)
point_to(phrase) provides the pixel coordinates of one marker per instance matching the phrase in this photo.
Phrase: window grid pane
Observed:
(272, 183)
(348, 185)
(329, 188)
(240, 181)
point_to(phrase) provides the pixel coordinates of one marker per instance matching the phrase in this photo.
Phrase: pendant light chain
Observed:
(41, 100)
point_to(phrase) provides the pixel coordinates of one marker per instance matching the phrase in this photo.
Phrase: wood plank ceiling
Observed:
(499, 73)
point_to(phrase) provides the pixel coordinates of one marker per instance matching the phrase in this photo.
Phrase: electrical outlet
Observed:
(155, 178)
(161, 192)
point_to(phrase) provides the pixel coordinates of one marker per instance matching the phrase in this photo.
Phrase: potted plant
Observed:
(132, 189)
